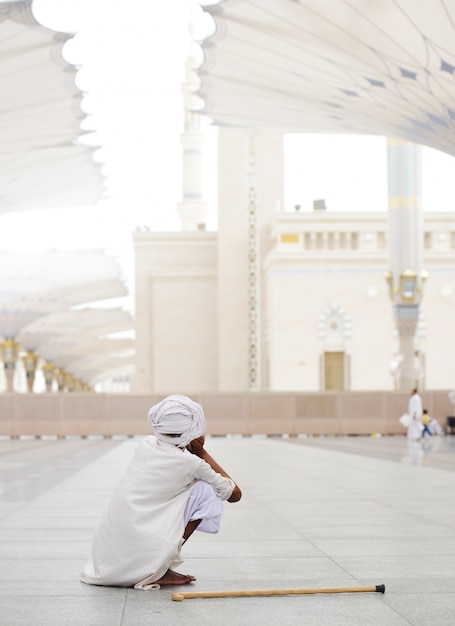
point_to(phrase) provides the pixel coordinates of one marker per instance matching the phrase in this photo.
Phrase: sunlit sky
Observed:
(131, 57)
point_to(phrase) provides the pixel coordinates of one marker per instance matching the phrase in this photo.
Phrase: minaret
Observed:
(405, 230)
(192, 208)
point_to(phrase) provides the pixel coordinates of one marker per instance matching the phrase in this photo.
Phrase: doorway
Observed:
(334, 371)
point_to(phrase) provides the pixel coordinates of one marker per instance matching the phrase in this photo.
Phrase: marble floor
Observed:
(315, 513)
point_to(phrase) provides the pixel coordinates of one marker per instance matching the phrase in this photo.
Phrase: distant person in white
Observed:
(171, 488)
(415, 414)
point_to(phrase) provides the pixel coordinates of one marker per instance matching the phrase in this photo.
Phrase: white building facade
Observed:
(280, 301)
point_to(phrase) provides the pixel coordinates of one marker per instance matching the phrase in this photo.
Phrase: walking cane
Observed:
(184, 595)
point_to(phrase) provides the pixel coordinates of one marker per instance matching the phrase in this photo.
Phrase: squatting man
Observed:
(171, 488)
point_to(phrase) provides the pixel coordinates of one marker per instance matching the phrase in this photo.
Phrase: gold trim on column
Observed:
(405, 202)
(393, 142)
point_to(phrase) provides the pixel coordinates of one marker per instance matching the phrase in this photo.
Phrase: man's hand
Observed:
(196, 446)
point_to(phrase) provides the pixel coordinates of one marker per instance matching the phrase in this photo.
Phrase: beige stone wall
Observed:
(298, 296)
(227, 413)
(232, 294)
(176, 312)
(248, 161)
(439, 344)
(320, 261)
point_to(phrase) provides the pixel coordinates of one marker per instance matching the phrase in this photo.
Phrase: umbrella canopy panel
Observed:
(39, 289)
(351, 66)
(42, 165)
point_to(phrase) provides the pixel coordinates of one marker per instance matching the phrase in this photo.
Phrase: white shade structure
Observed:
(44, 308)
(377, 68)
(37, 285)
(42, 165)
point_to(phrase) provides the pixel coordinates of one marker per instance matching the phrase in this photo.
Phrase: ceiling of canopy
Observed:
(42, 165)
(377, 67)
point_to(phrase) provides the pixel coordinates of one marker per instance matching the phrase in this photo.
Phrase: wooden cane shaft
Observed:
(183, 595)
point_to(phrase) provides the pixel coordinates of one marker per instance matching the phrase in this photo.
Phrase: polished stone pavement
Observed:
(316, 512)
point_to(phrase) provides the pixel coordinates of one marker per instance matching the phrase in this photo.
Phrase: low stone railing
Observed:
(346, 413)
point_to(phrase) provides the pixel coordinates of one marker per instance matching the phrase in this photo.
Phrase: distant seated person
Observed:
(435, 427)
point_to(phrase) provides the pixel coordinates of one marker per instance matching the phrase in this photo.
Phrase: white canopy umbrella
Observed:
(350, 66)
(42, 165)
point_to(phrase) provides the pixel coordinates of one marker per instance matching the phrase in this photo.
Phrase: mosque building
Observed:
(301, 301)
(298, 301)
(290, 302)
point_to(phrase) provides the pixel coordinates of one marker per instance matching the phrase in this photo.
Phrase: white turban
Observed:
(177, 415)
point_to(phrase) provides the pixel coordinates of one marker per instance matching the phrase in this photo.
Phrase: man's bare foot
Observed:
(174, 578)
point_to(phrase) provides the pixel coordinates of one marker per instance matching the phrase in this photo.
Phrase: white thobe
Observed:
(415, 413)
(140, 533)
